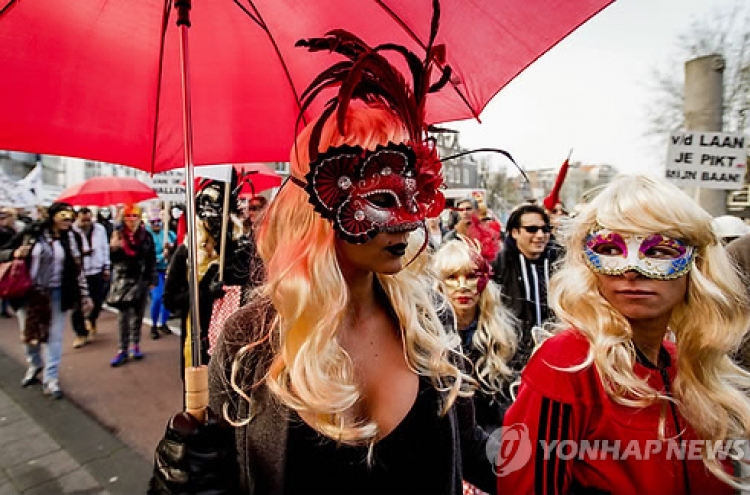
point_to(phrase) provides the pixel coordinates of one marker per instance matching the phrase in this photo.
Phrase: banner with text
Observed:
(170, 185)
(712, 160)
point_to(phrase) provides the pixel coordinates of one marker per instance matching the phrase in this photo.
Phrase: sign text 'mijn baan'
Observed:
(707, 159)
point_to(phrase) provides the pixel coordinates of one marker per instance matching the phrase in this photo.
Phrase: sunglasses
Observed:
(533, 229)
(130, 215)
(465, 208)
(64, 215)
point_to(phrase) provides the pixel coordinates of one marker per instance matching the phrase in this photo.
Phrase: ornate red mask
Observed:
(362, 192)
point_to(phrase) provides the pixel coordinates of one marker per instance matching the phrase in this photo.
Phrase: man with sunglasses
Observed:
(523, 270)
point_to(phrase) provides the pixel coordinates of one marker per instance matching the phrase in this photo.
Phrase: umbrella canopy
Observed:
(256, 177)
(106, 191)
(99, 79)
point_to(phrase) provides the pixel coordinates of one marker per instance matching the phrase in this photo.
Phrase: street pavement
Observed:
(101, 436)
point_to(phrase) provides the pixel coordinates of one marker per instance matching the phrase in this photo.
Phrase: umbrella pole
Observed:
(224, 226)
(165, 221)
(196, 375)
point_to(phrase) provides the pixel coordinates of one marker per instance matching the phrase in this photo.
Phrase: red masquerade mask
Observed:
(391, 189)
(483, 272)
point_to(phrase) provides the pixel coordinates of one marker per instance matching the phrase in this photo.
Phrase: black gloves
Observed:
(216, 289)
(209, 285)
(195, 459)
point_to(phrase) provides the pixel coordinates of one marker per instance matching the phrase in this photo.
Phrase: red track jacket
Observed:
(564, 435)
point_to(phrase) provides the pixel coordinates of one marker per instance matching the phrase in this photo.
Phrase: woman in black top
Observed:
(342, 373)
(486, 327)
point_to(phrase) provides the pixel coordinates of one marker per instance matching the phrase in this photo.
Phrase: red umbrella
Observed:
(106, 191)
(256, 177)
(100, 79)
(253, 177)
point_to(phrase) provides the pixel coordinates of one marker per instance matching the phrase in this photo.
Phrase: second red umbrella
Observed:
(105, 191)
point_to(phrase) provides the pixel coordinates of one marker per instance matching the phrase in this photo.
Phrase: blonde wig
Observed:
(495, 337)
(710, 391)
(310, 371)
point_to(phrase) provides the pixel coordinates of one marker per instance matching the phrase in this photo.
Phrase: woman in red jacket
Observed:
(609, 404)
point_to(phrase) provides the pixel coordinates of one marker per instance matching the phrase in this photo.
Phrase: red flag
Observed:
(554, 196)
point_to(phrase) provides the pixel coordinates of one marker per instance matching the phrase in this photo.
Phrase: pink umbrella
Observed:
(106, 191)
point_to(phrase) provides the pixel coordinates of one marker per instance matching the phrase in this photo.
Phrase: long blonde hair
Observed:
(495, 338)
(709, 390)
(310, 371)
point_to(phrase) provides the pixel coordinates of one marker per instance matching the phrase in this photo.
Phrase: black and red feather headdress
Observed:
(368, 76)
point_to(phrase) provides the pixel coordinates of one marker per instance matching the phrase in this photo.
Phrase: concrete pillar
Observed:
(704, 100)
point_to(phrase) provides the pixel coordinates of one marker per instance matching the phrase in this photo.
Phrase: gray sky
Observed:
(591, 92)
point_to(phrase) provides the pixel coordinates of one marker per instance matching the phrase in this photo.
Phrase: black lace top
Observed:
(412, 459)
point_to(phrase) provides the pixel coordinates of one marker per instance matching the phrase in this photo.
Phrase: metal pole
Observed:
(196, 376)
(165, 221)
(183, 22)
(224, 241)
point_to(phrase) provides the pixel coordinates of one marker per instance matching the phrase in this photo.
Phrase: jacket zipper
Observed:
(673, 408)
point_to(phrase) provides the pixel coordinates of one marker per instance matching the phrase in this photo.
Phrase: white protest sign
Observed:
(711, 160)
(170, 185)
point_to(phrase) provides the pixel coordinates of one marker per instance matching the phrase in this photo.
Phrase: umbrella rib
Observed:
(251, 16)
(165, 23)
(416, 39)
(8, 6)
(264, 26)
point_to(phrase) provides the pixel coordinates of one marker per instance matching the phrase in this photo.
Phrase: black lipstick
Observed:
(397, 249)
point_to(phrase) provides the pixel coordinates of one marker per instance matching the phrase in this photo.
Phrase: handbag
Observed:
(124, 292)
(15, 280)
(38, 316)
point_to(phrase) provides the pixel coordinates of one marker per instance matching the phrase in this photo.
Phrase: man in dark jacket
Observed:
(523, 270)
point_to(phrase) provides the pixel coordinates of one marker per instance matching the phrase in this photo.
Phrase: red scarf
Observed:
(131, 240)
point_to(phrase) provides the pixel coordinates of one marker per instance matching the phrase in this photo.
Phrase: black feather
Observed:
(369, 77)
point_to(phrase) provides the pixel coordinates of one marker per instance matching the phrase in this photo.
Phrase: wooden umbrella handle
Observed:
(196, 392)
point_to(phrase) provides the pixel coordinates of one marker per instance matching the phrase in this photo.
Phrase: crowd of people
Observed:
(356, 345)
(383, 354)
(117, 261)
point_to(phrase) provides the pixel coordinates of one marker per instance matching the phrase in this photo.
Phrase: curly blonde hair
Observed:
(311, 297)
(710, 390)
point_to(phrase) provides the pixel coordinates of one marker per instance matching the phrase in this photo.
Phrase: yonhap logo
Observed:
(509, 448)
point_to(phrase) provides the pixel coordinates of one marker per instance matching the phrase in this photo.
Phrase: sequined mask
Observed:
(362, 193)
(655, 256)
